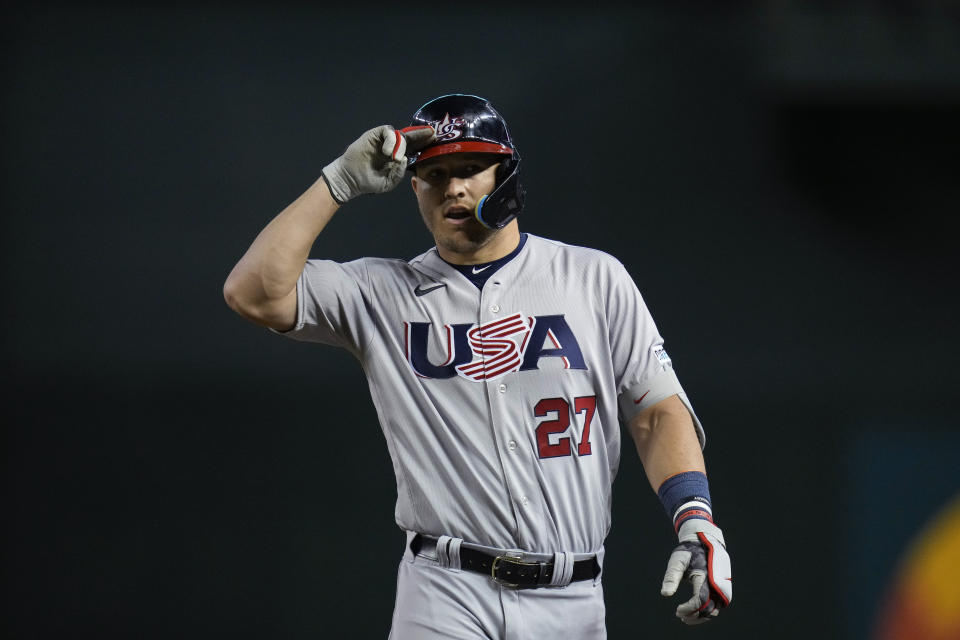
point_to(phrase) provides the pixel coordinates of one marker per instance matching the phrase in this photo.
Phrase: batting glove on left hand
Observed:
(701, 558)
(374, 162)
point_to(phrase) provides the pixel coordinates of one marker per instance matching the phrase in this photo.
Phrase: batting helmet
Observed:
(466, 123)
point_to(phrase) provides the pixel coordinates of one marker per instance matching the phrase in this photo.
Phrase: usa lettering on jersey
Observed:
(487, 351)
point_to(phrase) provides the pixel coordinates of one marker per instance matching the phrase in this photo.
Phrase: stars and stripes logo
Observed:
(448, 128)
(496, 344)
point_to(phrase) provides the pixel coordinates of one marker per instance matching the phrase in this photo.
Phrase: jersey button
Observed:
(495, 308)
(502, 388)
(524, 501)
(512, 445)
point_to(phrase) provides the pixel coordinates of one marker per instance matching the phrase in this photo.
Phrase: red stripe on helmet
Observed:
(467, 146)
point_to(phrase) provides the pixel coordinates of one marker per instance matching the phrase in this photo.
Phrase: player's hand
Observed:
(701, 559)
(374, 162)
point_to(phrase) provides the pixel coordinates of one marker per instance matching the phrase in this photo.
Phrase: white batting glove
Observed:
(374, 162)
(701, 558)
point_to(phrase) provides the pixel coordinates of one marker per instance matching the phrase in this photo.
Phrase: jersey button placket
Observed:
(501, 420)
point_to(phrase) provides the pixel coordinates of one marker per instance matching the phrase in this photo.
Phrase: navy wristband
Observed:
(684, 496)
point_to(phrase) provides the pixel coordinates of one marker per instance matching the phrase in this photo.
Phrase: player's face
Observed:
(448, 188)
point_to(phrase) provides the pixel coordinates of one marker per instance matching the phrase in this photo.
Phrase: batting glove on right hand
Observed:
(701, 558)
(374, 162)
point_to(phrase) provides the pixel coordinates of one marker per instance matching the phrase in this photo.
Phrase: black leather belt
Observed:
(513, 572)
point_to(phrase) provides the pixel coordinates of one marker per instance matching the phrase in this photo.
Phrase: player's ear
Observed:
(413, 183)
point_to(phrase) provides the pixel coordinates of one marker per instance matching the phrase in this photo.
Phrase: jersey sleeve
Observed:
(330, 305)
(644, 371)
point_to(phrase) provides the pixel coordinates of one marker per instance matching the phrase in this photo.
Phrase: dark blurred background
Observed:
(781, 179)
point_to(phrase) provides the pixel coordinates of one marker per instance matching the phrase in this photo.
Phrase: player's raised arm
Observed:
(671, 456)
(262, 285)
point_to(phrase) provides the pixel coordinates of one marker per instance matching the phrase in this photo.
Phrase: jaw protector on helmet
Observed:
(505, 203)
(467, 123)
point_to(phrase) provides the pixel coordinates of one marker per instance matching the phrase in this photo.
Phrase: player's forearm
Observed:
(671, 455)
(666, 441)
(267, 273)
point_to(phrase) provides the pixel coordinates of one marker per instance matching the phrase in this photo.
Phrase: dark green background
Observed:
(780, 180)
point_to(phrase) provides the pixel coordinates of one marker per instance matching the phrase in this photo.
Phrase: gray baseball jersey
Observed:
(501, 406)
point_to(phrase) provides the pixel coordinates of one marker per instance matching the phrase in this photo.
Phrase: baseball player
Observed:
(501, 366)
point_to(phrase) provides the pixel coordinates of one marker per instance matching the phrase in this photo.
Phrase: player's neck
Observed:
(501, 244)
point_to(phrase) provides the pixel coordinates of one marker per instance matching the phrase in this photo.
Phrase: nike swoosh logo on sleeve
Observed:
(420, 291)
(640, 399)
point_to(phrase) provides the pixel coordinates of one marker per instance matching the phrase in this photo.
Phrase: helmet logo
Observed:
(448, 128)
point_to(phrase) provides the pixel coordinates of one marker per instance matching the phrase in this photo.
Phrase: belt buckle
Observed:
(514, 558)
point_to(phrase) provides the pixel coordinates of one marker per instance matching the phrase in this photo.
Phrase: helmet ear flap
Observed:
(506, 202)
(503, 170)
